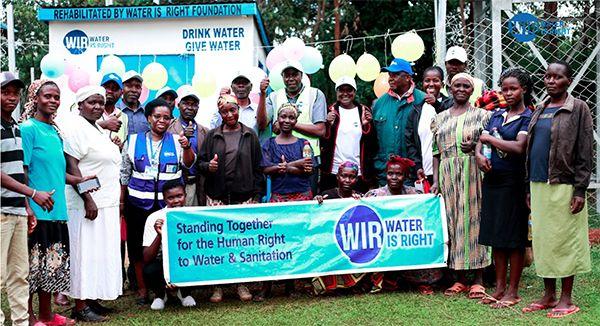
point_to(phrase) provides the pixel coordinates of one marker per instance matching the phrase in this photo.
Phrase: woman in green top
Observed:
(456, 176)
(45, 163)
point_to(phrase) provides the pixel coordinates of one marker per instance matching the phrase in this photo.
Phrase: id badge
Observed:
(171, 168)
(151, 170)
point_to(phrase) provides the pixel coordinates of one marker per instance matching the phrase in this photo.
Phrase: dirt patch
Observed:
(595, 236)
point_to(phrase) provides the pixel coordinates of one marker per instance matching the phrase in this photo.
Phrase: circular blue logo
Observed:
(523, 27)
(76, 41)
(359, 234)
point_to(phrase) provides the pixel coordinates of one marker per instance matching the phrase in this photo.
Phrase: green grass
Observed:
(398, 308)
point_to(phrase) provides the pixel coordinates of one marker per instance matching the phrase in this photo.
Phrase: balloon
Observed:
(112, 64)
(155, 76)
(312, 60)
(78, 79)
(342, 65)
(367, 67)
(144, 94)
(408, 46)
(95, 78)
(275, 78)
(275, 56)
(254, 97)
(256, 75)
(53, 65)
(69, 68)
(293, 48)
(381, 85)
(205, 84)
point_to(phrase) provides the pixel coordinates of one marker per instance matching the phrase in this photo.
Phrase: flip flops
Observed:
(59, 320)
(534, 306)
(455, 289)
(476, 291)
(562, 312)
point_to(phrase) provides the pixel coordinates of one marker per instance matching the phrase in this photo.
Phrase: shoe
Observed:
(98, 308)
(158, 304)
(188, 301)
(217, 295)
(61, 300)
(244, 293)
(88, 315)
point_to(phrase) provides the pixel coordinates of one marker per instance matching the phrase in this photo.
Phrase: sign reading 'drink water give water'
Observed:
(230, 244)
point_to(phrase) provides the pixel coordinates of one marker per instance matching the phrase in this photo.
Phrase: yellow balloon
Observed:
(408, 46)
(340, 66)
(381, 85)
(205, 84)
(367, 67)
(155, 76)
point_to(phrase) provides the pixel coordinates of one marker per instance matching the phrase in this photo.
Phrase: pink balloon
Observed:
(70, 67)
(144, 94)
(78, 78)
(274, 57)
(254, 97)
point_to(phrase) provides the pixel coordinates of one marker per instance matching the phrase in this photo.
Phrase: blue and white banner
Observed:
(245, 243)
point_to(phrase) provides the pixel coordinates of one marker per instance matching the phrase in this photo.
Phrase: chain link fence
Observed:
(558, 30)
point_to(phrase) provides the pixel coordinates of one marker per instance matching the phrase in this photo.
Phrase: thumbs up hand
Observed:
(183, 141)
(283, 165)
(213, 165)
(189, 130)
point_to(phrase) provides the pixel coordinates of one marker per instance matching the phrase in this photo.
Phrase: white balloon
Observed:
(113, 64)
(293, 48)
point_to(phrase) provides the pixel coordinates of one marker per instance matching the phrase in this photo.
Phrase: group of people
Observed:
(494, 165)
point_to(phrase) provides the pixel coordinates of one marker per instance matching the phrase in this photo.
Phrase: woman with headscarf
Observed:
(44, 160)
(504, 212)
(285, 161)
(94, 224)
(456, 176)
(149, 160)
(230, 160)
(559, 165)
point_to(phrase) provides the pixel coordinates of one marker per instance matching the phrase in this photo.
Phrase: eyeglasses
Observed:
(163, 117)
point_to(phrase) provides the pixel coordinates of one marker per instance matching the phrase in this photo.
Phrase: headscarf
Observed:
(87, 91)
(348, 165)
(289, 106)
(226, 98)
(464, 75)
(32, 92)
(405, 163)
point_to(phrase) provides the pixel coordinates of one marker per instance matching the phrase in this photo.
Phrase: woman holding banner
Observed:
(559, 163)
(150, 159)
(455, 134)
(230, 159)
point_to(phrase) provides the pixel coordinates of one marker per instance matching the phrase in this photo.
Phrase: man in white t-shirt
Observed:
(174, 196)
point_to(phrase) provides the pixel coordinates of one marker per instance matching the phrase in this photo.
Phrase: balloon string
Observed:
(385, 38)
(365, 45)
(349, 42)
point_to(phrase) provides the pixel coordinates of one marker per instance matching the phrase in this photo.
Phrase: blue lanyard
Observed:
(152, 154)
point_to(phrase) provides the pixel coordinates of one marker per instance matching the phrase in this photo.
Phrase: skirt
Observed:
(296, 196)
(49, 261)
(95, 266)
(560, 239)
(504, 212)
(136, 222)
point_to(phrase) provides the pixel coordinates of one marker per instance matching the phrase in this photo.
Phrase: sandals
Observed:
(59, 320)
(562, 312)
(425, 289)
(477, 291)
(534, 306)
(455, 289)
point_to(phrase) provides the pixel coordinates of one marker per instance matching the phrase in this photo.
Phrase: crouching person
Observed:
(174, 196)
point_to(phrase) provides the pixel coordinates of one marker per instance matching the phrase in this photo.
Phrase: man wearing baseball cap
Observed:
(312, 110)
(131, 106)
(391, 111)
(188, 105)
(456, 62)
(113, 119)
(167, 94)
(16, 219)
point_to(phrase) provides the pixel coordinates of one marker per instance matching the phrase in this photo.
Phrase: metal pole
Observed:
(440, 31)
(10, 24)
(597, 106)
(496, 39)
